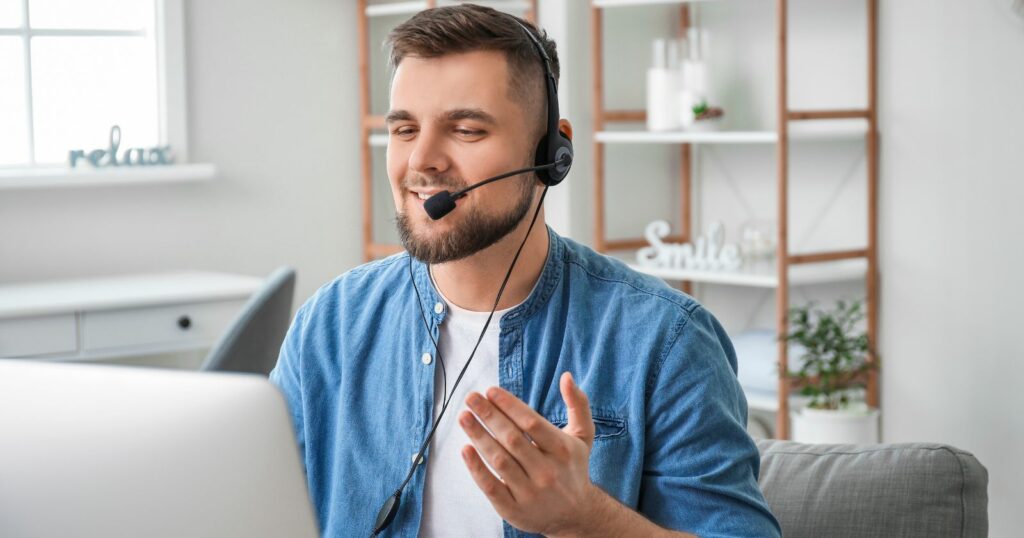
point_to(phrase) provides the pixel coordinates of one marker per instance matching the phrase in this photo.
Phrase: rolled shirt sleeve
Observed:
(700, 465)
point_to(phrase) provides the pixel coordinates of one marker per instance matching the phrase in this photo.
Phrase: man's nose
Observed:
(429, 155)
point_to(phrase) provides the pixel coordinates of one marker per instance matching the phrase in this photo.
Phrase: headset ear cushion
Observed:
(566, 142)
(553, 176)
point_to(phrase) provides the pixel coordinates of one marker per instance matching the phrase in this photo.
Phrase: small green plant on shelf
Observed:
(835, 352)
(701, 111)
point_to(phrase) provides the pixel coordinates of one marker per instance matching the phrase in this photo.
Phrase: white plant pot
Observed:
(833, 427)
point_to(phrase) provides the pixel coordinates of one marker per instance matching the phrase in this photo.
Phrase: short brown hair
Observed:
(467, 27)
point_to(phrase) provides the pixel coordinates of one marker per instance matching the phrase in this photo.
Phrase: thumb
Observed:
(580, 424)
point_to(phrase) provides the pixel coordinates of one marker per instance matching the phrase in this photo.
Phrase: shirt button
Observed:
(426, 358)
(438, 308)
(414, 459)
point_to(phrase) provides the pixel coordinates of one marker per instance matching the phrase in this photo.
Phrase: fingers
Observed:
(580, 422)
(543, 433)
(503, 463)
(504, 431)
(498, 493)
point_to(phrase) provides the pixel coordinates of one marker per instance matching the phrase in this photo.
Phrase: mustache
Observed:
(444, 182)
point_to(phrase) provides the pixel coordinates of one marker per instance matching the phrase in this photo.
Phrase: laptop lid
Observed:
(101, 450)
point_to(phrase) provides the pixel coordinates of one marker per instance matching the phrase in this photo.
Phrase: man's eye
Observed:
(404, 132)
(468, 132)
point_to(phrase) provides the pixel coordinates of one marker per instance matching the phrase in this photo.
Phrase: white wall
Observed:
(273, 102)
(952, 184)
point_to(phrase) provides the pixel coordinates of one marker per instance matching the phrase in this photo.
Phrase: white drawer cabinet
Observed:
(185, 323)
(38, 335)
(101, 318)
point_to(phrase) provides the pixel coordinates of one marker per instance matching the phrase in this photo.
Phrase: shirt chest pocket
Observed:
(607, 426)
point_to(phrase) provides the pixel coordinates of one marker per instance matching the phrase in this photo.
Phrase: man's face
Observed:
(452, 124)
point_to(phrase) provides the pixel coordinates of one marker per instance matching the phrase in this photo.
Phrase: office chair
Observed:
(253, 341)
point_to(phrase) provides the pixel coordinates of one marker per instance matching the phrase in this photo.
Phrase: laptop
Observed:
(107, 451)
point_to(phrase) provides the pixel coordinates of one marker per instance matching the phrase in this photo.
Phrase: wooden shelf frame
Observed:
(784, 270)
(370, 122)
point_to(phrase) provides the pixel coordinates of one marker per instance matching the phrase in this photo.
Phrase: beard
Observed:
(475, 232)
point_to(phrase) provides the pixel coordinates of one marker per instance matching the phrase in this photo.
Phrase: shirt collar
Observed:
(434, 305)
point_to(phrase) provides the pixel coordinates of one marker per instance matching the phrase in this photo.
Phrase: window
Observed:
(72, 69)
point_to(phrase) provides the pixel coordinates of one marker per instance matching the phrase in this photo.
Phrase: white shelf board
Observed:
(803, 131)
(62, 176)
(681, 137)
(500, 5)
(632, 3)
(396, 8)
(760, 275)
(378, 140)
(409, 8)
(761, 400)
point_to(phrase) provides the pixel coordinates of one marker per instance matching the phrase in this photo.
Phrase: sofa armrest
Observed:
(908, 490)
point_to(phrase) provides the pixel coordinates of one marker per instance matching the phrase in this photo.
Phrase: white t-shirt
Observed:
(453, 505)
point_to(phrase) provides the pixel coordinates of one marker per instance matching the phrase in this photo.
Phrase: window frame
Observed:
(169, 29)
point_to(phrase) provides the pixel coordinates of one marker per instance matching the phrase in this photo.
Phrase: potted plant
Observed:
(833, 368)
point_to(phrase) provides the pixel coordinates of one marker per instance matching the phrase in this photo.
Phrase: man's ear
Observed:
(565, 127)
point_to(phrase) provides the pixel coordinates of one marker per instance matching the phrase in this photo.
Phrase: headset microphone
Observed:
(442, 203)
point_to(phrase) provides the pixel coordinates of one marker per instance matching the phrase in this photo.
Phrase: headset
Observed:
(553, 156)
(552, 160)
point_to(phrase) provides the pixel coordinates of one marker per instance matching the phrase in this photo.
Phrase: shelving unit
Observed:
(371, 122)
(789, 269)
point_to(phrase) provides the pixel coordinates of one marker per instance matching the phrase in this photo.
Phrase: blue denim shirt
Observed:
(659, 370)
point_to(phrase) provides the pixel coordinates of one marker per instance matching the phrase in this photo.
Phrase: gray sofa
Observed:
(902, 490)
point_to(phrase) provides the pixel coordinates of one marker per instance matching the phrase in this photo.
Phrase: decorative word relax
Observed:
(706, 253)
(142, 157)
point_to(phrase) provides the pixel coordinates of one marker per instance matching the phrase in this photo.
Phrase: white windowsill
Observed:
(44, 177)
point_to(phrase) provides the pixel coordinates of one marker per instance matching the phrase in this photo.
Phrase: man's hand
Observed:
(545, 482)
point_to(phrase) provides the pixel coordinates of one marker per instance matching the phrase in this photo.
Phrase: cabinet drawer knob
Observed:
(184, 322)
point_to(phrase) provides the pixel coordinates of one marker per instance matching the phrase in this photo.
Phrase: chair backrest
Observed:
(907, 490)
(253, 342)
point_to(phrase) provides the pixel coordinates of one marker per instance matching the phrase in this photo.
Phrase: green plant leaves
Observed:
(836, 351)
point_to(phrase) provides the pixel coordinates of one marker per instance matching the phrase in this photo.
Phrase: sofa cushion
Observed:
(908, 490)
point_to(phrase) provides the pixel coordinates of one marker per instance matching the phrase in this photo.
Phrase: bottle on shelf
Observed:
(693, 100)
(663, 83)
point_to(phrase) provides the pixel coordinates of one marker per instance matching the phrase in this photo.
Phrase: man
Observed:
(598, 401)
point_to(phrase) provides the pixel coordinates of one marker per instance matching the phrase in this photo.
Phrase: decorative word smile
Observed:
(707, 252)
